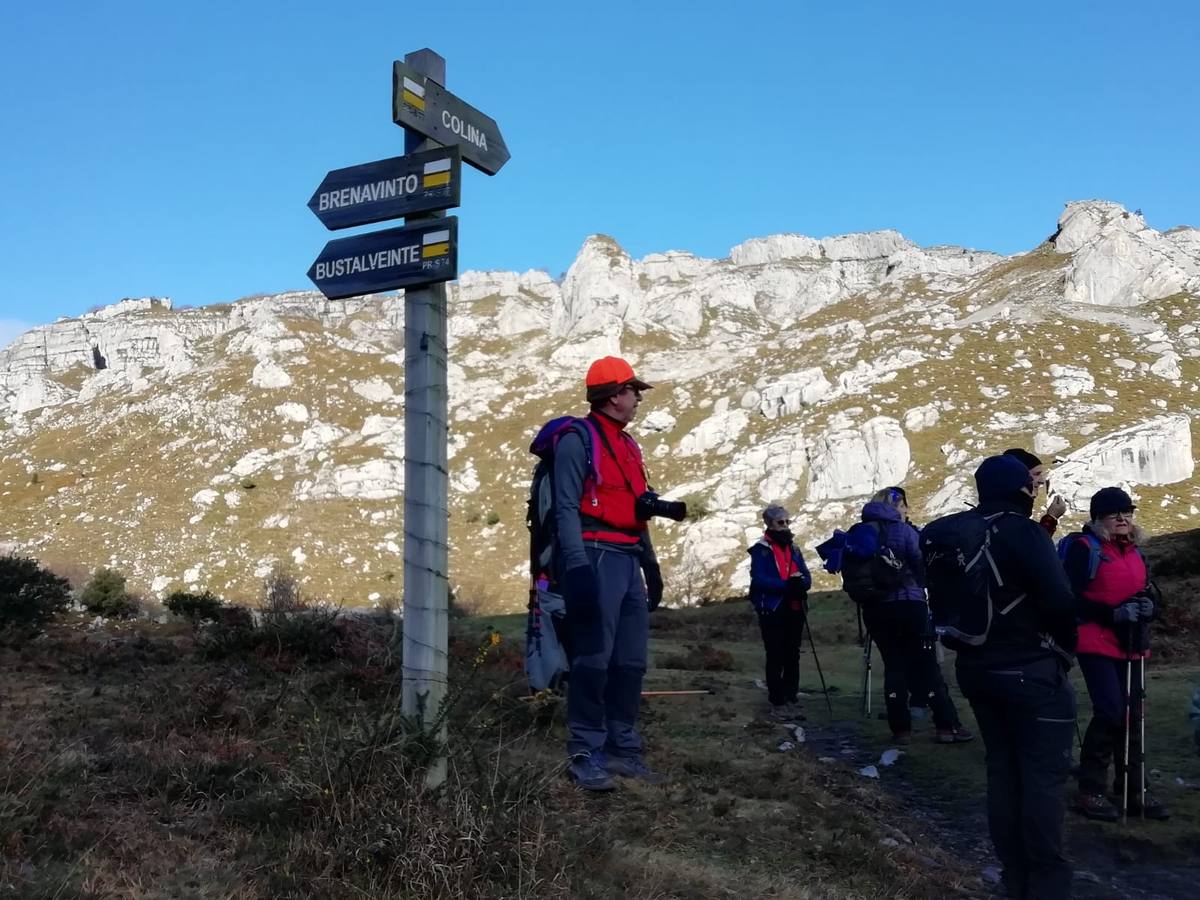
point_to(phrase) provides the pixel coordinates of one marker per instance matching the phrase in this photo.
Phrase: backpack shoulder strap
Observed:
(1093, 543)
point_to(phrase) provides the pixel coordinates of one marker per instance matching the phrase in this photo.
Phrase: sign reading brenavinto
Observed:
(389, 189)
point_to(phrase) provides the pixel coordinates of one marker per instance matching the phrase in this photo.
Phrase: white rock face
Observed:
(1046, 444)
(1167, 366)
(1084, 221)
(1071, 381)
(717, 434)
(378, 479)
(1157, 451)
(1119, 261)
(269, 374)
(774, 249)
(792, 392)
(921, 417)
(600, 291)
(292, 412)
(658, 421)
(850, 462)
(375, 389)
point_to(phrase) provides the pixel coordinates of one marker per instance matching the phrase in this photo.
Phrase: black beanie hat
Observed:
(1109, 500)
(1027, 459)
(999, 477)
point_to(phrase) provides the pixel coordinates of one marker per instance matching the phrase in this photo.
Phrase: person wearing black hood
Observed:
(779, 583)
(1041, 479)
(1016, 682)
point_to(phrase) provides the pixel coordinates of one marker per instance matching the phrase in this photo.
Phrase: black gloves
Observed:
(654, 584)
(1127, 613)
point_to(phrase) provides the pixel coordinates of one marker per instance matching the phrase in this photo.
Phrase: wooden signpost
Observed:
(439, 130)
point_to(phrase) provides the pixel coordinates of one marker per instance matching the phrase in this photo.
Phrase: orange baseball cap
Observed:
(606, 376)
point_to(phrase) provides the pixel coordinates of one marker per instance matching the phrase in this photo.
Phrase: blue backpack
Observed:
(1094, 554)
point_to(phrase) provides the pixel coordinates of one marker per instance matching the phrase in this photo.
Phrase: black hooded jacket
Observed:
(1042, 625)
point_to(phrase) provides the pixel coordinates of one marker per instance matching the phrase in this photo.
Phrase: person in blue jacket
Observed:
(779, 583)
(901, 628)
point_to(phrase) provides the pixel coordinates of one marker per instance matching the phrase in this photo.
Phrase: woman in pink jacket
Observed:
(1115, 604)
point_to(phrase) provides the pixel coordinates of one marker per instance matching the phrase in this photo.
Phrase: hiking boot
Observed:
(1152, 809)
(956, 735)
(903, 738)
(795, 710)
(634, 767)
(780, 713)
(587, 770)
(1095, 806)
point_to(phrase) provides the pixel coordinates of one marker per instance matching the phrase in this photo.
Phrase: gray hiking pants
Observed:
(604, 693)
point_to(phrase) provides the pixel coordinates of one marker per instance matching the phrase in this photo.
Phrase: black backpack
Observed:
(961, 575)
(871, 572)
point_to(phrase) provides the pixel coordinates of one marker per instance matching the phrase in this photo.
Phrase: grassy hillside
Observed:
(155, 761)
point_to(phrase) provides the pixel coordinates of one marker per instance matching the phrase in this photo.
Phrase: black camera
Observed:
(648, 506)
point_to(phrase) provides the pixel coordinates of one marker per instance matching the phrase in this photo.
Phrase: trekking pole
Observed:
(866, 692)
(1142, 732)
(1125, 753)
(820, 674)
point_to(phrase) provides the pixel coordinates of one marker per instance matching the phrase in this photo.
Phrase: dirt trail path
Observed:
(1109, 865)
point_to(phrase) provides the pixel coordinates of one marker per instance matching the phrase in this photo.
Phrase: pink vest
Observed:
(1121, 574)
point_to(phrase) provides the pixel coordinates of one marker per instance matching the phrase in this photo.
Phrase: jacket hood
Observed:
(877, 511)
(1000, 477)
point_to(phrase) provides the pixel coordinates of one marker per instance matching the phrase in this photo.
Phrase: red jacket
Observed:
(607, 506)
(1120, 575)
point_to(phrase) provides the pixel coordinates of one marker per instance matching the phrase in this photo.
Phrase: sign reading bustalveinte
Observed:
(388, 260)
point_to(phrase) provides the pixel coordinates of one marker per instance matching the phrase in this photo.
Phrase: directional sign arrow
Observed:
(389, 188)
(389, 259)
(426, 107)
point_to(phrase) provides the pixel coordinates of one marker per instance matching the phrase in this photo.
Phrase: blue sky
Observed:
(170, 148)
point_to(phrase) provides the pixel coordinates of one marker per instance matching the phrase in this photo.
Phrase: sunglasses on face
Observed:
(783, 522)
(1126, 514)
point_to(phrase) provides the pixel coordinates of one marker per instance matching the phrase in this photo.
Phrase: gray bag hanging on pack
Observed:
(545, 657)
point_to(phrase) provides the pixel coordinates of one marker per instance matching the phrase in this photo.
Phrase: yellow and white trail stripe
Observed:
(413, 94)
(437, 173)
(435, 243)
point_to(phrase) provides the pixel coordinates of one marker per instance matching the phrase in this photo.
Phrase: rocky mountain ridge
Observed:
(198, 447)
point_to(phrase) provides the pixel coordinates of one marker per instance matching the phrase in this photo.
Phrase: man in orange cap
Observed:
(602, 506)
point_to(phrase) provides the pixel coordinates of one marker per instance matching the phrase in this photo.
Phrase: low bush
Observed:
(197, 607)
(106, 595)
(29, 595)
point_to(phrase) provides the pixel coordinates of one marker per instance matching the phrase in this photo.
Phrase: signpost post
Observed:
(426, 513)
(440, 131)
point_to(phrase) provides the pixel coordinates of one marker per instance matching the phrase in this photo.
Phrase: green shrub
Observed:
(29, 595)
(197, 607)
(492, 518)
(106, 595)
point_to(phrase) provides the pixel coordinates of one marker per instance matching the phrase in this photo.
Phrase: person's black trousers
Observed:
(782, 633)
(1026, 715)
(905, 638)
(1104, 740)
